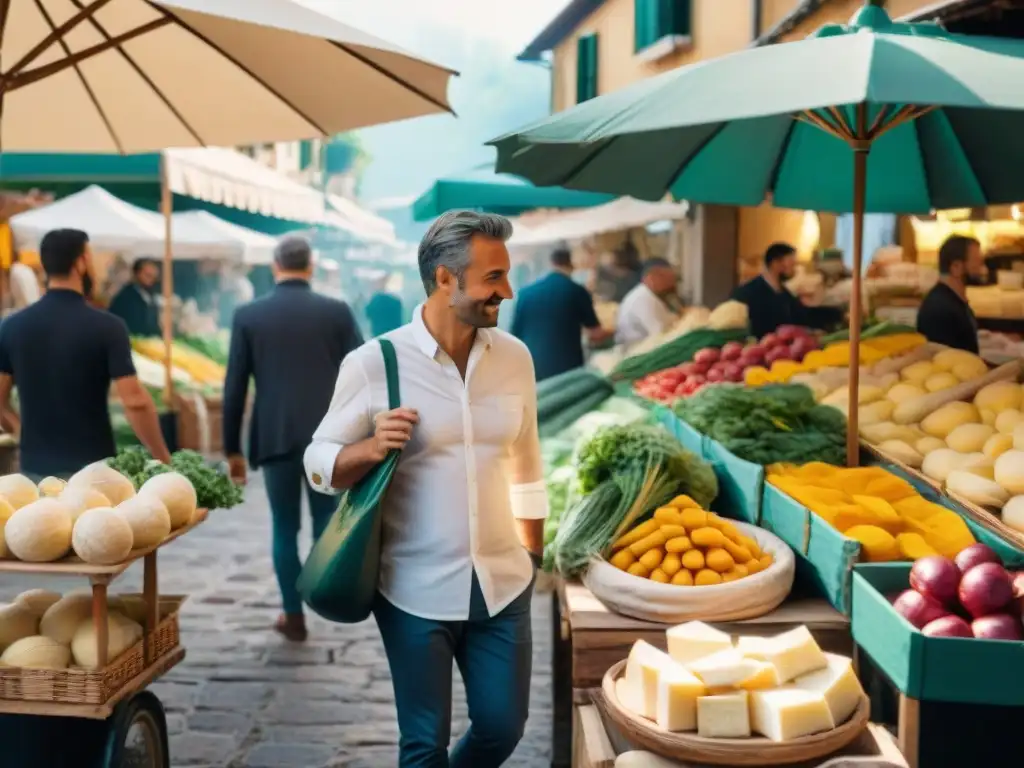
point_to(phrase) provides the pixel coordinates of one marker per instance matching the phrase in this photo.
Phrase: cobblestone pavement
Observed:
(245, 699)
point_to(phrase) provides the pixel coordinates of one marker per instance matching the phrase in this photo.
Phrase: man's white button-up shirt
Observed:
(473, 465)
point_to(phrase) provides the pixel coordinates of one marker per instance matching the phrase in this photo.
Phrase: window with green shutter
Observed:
(586, 68)
(656, 19)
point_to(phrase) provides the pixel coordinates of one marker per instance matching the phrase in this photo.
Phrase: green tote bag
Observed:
(339, 579)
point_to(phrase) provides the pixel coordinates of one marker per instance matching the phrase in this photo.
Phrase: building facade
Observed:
(595, 47)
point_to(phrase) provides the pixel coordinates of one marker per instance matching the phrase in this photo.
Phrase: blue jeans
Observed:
(495, 657)
(285, 478)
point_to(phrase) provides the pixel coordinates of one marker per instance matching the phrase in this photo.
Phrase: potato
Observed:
(652, 558)
(717, 559)
(693, 559)
(683, 578)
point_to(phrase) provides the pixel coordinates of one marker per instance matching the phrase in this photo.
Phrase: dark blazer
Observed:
(291, 343)
(138, 314)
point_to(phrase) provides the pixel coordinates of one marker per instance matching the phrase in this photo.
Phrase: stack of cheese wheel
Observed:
(783, 688)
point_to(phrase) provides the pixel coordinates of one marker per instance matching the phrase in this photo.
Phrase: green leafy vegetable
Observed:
(214, 489)
(778, 423)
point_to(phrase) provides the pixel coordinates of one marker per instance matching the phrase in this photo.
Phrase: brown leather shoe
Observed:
(292, 626)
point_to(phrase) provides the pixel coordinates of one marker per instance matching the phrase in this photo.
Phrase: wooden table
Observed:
(597, 742)
(587, 639)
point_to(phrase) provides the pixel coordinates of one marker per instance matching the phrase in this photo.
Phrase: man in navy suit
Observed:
(291, 343)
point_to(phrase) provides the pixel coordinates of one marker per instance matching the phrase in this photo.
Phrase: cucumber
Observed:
(672, 353)
(568, 416)
(571, 392)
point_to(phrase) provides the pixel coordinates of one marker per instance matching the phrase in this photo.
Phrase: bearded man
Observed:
(463, 517)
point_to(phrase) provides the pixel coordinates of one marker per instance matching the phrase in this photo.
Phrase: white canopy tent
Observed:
(623, 213)
(119, 227)
(258, 248)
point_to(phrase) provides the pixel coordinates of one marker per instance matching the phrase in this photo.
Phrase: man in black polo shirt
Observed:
(551, 316)
(62, 355)
(944, 316)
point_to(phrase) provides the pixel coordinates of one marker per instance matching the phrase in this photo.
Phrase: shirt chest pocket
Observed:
(498, 419)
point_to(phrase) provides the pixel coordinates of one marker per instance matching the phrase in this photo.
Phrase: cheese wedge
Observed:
(678, 691)
(644, 665)
(695, 640)
(787, 713)
(839, 685)
(753, 647)
(725, 668)
(724, 717)
(794, 653)
(627, 696)
(765, 677)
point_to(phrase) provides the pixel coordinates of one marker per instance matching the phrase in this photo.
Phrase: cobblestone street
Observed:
(245, 699)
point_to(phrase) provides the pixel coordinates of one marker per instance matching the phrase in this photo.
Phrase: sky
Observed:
(512, 24)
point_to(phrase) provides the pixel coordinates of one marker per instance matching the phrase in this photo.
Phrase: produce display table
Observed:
(156, 659)
(587, 638)
(597, 742)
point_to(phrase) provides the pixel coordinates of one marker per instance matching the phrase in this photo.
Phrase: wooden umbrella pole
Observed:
(861, 145)
(167, 281)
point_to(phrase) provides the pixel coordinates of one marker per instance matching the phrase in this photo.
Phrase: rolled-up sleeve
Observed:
(347, 421)
(529, 496)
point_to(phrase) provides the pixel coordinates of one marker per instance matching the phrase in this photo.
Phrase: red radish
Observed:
(985, 589)
(801, 346)
(708, 356)
(732, 350)
(937, 577)
(998, 626)
(688, 369)
(682, 390)
(948, 626)
(695, 380)
(733, 372)
(976, 554)
(715, 375)
(777, 353)
(768, 341)
(753, 353)
(701, 368)
(789, 332)
(918, 609)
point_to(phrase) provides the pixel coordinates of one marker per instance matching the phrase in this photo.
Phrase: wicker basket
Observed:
(75, 685)
(167, 635)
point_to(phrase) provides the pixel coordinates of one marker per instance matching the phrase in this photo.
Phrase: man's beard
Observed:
(474, 313)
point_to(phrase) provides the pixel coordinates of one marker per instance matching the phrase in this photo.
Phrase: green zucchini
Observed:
(565, 418)
(672, 353)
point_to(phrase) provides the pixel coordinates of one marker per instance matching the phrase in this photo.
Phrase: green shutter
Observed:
(305, 154)
(586, 68)
(655, 19)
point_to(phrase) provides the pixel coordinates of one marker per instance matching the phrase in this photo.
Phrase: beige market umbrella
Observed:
(134, 75)
(140, 75)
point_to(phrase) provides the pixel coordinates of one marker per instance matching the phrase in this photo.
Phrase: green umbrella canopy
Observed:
(941, 114)
(483, 189)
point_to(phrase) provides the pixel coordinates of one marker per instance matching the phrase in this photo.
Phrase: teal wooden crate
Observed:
(740, 483)
(824, 557)
(947, 669)
(690, 438)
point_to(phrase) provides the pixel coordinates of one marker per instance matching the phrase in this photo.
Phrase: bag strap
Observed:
(391, 373)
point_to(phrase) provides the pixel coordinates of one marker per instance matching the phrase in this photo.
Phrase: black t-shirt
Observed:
(550, 316)
(945, 318)
(63, 356)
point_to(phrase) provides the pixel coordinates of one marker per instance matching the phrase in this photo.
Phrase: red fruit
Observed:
(688, 369)
(733, 372)
(918, 609)
(716, 375)
(790, 332)
(998, 626)
(707, 356)
(948, 626)
(777, 353)
(801, 346)
(769, 340)
(937, 577)
(696, 380)
(985, 589)
(976, 554)
(732, 351)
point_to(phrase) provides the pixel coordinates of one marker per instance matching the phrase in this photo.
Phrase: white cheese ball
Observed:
(81, 498)
(39, 532)
(38, 601)
(62, 619)
(37, 652)
(177, 494)
(105, 479)
(18, 490)
(148, 517)
(102, 537)
(122, 634)
(16, 622)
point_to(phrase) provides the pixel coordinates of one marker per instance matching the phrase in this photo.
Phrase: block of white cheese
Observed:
(724, 669)
(725, 716)
(644, 665)
(787, 713)
(678, 691)
(838, 683)
(794, 653)
(753, 647)
(695, 640)
(766, 676)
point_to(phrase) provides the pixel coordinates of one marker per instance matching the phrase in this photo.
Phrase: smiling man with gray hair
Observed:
(291, 344)
(464, 512)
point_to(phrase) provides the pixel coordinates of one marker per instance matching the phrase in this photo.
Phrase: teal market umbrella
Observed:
(483, 189)
(872, 116)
